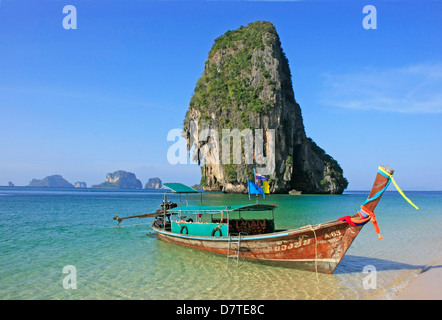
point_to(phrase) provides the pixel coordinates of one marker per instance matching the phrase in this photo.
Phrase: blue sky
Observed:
(103, 97)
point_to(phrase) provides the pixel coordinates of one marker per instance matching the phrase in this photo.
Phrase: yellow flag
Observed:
(266, 187)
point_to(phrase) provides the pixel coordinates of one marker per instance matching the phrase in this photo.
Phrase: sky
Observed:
(104, 96)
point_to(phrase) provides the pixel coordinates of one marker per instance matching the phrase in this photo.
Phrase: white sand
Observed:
(427, 286)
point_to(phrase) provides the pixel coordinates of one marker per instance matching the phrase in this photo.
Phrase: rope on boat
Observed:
(316, 248)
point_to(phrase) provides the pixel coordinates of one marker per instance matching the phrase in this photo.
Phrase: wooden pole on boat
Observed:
(145, 215)
(379, 184)
(164, 211)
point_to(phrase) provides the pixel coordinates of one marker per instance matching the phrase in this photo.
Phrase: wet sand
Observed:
(427, 286)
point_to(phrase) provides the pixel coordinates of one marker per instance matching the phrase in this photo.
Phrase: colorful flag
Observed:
(254, 189)
(260, 177)
(266, 187)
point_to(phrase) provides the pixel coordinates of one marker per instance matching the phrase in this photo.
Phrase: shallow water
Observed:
(44, 230)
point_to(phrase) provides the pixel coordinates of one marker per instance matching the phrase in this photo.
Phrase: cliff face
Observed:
(120, 180)
(246, 84)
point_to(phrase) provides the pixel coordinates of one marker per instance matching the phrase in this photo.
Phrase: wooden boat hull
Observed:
(315, 248)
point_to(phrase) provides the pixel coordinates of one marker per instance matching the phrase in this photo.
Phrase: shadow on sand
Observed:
(355, 264)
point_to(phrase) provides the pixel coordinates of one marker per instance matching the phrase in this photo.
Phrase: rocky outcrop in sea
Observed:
(80, 184)
(54, 181)
(120, 180)
(154, 183)
(247, 84)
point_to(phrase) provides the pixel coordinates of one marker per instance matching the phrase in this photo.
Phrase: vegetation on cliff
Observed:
(236, 85)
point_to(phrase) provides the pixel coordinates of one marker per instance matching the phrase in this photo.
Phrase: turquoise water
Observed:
(44, 230)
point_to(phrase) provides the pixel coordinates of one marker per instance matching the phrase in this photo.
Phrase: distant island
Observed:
(120, 180)
(54, 181)
(154, 183)
(79, 184)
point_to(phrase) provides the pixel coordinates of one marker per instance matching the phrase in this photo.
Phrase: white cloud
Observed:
(409, 89)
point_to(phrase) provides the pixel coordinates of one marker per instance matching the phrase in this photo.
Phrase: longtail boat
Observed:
(225, 230)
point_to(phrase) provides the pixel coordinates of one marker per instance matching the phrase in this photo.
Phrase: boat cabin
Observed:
(215, 221)
(220, 221)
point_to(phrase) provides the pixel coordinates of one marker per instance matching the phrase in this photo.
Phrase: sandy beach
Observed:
(427, 286)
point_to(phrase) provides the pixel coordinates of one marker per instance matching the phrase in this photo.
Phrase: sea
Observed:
(63, 244)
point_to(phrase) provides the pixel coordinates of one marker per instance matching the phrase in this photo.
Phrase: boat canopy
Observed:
(179, 188)
(219, 209)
